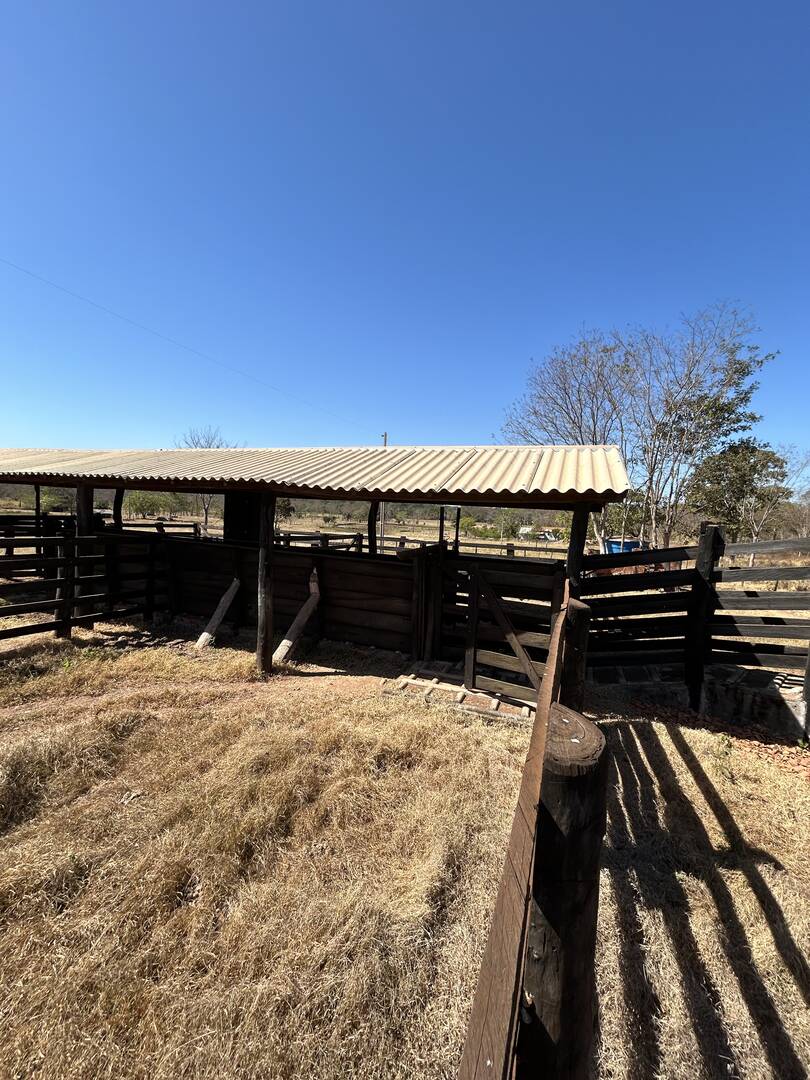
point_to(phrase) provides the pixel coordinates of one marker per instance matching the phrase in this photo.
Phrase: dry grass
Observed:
(704, 921)
(205, 876)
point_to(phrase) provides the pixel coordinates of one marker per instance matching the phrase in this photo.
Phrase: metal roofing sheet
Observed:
(453, 473)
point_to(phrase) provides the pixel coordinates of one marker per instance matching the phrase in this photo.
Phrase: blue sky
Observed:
(384, 210)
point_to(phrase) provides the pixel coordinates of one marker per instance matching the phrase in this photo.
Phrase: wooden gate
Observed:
(498, 617)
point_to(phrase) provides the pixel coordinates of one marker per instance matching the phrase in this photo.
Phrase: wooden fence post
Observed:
(9, 534)
(575, 654)
(711, 545)
(264, 615)
(64, 591)
(373, 512)
(472, 630)
(558, 1013)
(118, 506)
(149, 592)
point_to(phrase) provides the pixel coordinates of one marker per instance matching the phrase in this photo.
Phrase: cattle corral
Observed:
(512, 628)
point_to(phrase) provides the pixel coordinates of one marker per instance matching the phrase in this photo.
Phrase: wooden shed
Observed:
(431, 602)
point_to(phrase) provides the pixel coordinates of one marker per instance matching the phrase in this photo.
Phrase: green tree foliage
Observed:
(142, 504)
(669, 399)
(284, 509)
(467, 524)
(740, 487)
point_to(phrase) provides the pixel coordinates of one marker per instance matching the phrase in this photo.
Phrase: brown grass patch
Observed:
(287, 880)
(206, 876)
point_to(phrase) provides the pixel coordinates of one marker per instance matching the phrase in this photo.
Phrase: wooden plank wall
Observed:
(364, 599)
(640, 606)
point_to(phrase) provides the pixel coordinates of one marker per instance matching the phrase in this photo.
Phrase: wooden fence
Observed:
(648, 608)
(77, 580)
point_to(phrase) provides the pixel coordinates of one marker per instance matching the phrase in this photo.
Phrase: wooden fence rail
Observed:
(80, 580)
(687, 615)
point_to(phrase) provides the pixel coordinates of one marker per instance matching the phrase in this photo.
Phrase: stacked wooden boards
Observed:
(364, 599)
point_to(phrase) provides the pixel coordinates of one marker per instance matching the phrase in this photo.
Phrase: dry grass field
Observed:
(206, 876)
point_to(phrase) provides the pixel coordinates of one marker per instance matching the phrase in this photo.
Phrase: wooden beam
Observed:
(287, 646)
(118, 508)
(373, 513)
(575, 654)
(221, 610)
(701, 610)
(264, 634)
(576, 545)
(84, 510)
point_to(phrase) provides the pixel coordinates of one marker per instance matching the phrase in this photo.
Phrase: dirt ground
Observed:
(203, 875)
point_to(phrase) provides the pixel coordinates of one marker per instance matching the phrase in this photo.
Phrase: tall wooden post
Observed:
(65, 589)
(575, 654)
(711, 546)
(373, 512)
(558, 1015)
(456, 541)
(441, 524)
(118, 508)
(264, 635)
(576, 546)
(84, 510)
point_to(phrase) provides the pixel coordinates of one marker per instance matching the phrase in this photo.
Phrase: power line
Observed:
(179, 344)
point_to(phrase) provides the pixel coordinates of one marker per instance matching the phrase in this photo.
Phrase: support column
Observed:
(711, 546)
(575, 654)
(576, 546)
(373, 513)
(84, 510)
(118, 508)
(264, 635)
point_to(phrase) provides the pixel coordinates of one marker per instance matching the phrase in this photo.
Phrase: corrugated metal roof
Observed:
(515, 474)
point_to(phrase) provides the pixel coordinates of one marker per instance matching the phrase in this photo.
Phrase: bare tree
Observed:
(203, 438)
(669, 399)
(571, 398)
(685, 392)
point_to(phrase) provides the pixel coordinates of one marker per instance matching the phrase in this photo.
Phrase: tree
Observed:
(284, 509)
(508, 521)
(744, 484)
(467, 524)
(203, 438)
(142, 503)
(571, 398)
(686, 393)
(669, 399)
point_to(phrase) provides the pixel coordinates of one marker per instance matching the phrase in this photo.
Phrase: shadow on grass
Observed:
(645, 855)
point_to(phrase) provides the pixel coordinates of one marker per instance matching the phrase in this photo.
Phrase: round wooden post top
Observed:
(574, 744)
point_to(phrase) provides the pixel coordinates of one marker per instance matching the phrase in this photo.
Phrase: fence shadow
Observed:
(655, 836)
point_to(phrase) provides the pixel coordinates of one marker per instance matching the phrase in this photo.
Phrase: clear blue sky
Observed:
(385, 210)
